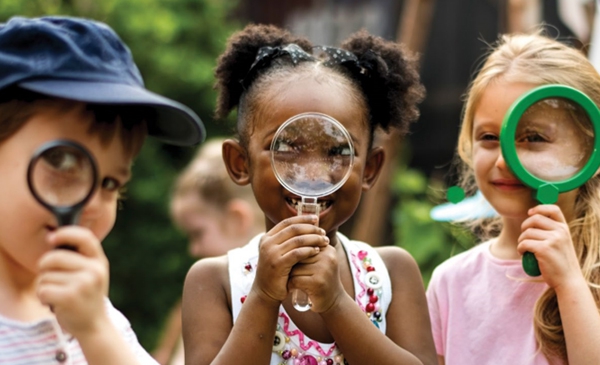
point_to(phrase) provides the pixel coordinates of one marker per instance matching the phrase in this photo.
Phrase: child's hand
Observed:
(319, 277)
(546, 234)
(75, 283)
(289, 242)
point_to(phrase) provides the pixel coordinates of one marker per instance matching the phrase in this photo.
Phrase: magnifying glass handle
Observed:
(67, 217)
(530, 264)
(300, 299)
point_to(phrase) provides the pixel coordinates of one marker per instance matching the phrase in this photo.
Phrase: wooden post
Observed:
(372, 215)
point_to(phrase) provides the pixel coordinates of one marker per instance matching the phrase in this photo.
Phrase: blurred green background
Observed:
(175, 44)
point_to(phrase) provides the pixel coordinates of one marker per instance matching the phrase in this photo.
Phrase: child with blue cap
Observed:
(74, 79)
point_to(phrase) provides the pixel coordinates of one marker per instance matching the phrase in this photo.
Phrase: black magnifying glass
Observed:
(549, 141)
(62, 176)
(312, 156)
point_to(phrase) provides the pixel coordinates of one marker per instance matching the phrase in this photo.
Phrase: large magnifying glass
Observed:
(312, 156)
(62, 176)
(548, 140)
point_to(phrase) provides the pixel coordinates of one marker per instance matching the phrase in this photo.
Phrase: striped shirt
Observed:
(43, 342)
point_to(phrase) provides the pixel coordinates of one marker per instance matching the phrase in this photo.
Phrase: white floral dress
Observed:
(372, 288)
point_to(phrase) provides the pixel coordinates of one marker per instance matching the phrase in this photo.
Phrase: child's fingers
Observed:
(52, 293)
(55, 278)
(301, 254)
(63, 260)
(550, 235)
(533, 234)
(528, 245)
(286, 223)
(68, 287)
(294, 236)
(81, 239)
(543, 222)
(305, 240)
(297, 249)
(70, 263)
(548, 210)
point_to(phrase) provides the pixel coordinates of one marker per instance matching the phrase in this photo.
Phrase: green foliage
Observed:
(428, 241)
(175, 44)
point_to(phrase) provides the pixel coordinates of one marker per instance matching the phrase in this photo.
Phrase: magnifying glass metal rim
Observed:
(62, 209)
(340, 127)
(509, 127)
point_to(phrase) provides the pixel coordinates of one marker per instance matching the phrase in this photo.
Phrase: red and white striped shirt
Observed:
(43, 342)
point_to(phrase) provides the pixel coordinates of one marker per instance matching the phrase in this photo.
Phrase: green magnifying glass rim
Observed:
(511, 121)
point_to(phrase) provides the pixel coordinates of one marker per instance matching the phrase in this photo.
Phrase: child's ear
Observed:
(234, 156)
(373, 166)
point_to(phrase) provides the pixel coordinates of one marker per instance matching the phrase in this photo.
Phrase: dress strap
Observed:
(242, 267)
(372, 283)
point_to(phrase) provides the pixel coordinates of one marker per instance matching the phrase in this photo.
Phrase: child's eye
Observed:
(532, 138)
(110, 184)
(488, 137)
(282, 146)
(342, 150)
(61, 159)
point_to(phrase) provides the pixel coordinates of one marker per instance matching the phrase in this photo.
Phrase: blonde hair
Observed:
(539, 60)
(207, 176)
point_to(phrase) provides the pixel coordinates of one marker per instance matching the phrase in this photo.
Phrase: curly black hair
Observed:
(391, 89)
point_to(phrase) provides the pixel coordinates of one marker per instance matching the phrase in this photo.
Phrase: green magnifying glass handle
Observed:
(530, 264)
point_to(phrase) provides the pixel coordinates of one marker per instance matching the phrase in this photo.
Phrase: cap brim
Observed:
(175, 123)
(472, 208)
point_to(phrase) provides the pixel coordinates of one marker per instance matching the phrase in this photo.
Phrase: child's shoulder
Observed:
(399, 262)
(208, 271)
(209, 265)
(395, 255)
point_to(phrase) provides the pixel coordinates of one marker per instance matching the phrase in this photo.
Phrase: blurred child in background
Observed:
(216, 215)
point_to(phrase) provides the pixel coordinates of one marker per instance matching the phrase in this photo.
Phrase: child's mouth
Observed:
(295, 203)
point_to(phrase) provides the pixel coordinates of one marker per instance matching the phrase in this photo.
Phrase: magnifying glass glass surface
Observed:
(312, 156)
(554, 139)
(62, 176)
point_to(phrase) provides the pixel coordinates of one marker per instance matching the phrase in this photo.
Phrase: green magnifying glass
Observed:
(548, 140)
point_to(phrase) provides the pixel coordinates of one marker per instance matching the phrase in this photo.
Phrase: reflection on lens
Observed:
(62, 176)
(554, 139)
(312, 155)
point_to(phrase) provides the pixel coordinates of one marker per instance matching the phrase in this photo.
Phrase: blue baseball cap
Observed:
(85, 60)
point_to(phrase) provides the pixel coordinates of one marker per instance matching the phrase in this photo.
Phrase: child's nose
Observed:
(500, 162)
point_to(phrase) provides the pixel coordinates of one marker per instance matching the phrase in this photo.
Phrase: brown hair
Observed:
(17, 106)
(389, 94)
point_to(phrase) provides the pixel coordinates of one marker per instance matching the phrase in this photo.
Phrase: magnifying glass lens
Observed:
(311, 155)
(554, 139)
(62, 176)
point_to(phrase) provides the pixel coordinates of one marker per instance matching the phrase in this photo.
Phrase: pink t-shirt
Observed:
(481, 310)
